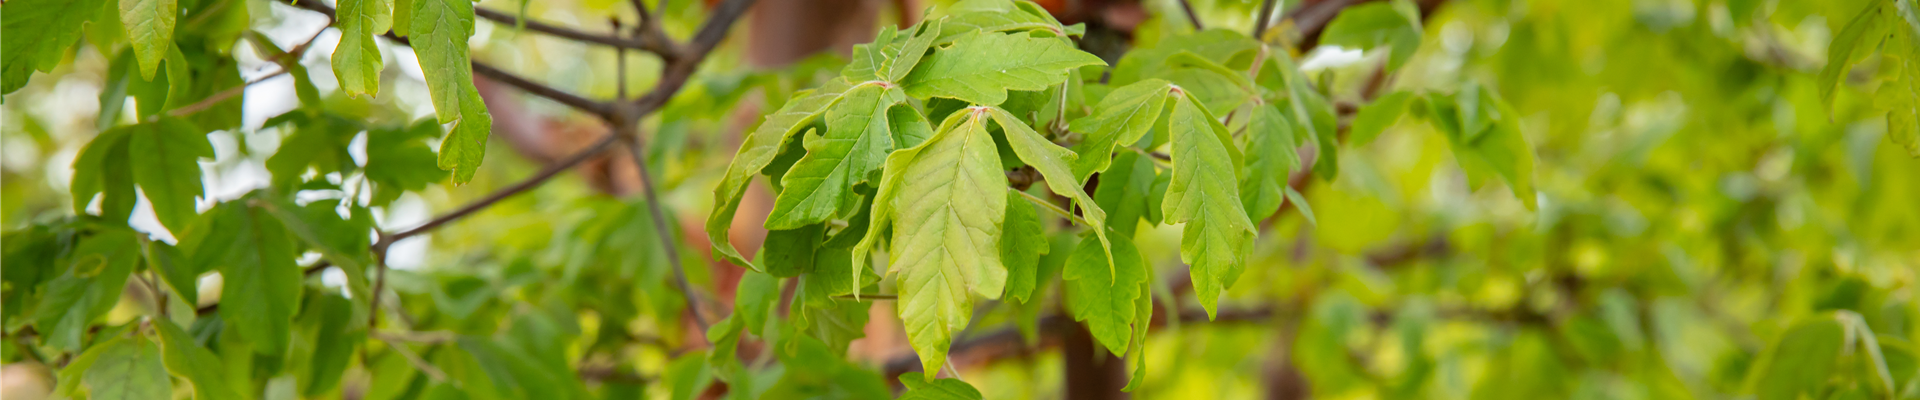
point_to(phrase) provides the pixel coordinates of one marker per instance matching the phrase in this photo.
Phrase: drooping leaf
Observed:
(1868, 27)
(1053, 163)
(356, 61)
(103, 168)
(1103, 297)
(166, 164)
(946, 235)
(261, 289)
(1121, 118)
(856, 142)
(1204, 194)
(35, 35)
(1271, 158)
(195, 364)
(149, 25)
(939, 389)
(129, 371)
(756, 153)
(439, 37)
(91, 283)
(1800, 362)
(1125, 190)
(1375, 117)
(1022, 242)
(980, 68)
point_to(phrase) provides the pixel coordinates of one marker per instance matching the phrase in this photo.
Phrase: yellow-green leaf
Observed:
(1204, 194)
(439, 38)
(356, 62)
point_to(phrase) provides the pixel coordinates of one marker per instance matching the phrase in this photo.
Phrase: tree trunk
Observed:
(1092, 372)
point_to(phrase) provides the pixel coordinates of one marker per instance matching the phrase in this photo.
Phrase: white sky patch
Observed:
(1330, 56)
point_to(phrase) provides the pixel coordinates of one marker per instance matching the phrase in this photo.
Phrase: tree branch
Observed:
(595, 107)
(1192, 17)
(664, 49)
(1262, 21)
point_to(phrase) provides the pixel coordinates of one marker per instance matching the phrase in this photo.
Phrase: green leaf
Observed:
(969, 16)
(755, 153)
(175, 269)
(400, 160)
(1125, 190)
(790, 252)
(911, 52)
(90, 284)
(1801, 361)
(1103, 296)
(129, 371)
(980, 68)
(1502, 150)
(755, 299)
(908, 127)
(403, 17)
(1846, 49)
(939, 389)
(1231, 49)
(103, 168)
(149, 25)
(1022, 242)
(198, 366)
(1203, 194)
(1374, 118)
(1300, 202)
(356, 61)
(35, 35)
(261, 289)
(870, 59)
(1052, 162)
(687, 377)
(725, 336)
(1372, 25)
(166, 164)
(1311, 111)
(1121, 117)
(856, 142)
(1143, 319)
(439, 39)
(1271, 158)
(946, 234)
(1899, 95)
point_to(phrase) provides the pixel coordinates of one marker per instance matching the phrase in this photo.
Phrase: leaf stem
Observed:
(1051, 207)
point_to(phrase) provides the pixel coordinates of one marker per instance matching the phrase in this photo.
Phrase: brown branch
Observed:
(595, 107)
(664, 49)
(1191, 16)
(1312, 18)
(661, 230)
(1262, 21)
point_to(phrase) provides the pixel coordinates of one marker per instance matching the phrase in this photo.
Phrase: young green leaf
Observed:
(35, 35)
(102, 167)
(946, 233)
(254, 254)
(755, 153)
(149, 25)
(1368, 26)
(938, 389)
(1052, 162)
(166, 164)
(911, 52)
(1204, 195)
(1102, 294)
(980, 68)
(197, 365)
(909, 128)
(1271, 157)
(356, 61)
(1121, 117)
(1125, 190)
(969, 16)
(1022, 242)
(129, 371)
(1374, 118)
(90, 285)
(1801, 361)
(439, 38)
(856, 142)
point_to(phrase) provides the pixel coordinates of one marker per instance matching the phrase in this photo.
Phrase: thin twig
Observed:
(662, 49)
(1191, 17)
(1051, 207)
(867, 296)
(1262, 21)
(660, 229)
(223, 95)
(420, 363)
(598, 108)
